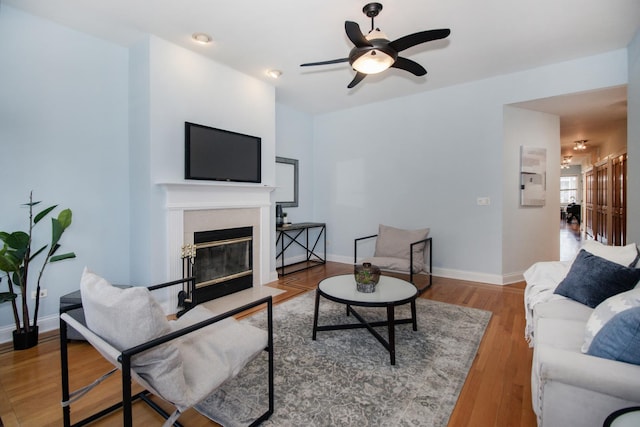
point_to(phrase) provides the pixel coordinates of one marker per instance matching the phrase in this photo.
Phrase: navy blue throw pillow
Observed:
(592, 279)
(619, 338)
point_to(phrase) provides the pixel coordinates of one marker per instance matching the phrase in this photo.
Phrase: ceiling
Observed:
(487, 39)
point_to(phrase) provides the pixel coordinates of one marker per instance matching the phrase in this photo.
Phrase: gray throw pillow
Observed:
(592, 279)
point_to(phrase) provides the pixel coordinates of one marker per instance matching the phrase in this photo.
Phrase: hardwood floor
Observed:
(496, 391)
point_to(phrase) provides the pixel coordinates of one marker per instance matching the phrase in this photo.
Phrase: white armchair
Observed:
(181, 361)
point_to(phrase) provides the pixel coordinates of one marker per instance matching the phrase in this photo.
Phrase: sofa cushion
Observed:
(606, 310)
(623, 255)
(592, 279)
(619, 338)
(562, 308)
(560, 333)
(396, 243)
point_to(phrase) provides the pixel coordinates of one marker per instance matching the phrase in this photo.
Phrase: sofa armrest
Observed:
(600, 375)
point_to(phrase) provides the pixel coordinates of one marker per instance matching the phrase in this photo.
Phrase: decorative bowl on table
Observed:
(367, 276)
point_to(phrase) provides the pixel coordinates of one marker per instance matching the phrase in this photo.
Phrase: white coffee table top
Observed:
(388, 290)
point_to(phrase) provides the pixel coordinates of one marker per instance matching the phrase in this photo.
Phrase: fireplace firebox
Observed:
(221, 262)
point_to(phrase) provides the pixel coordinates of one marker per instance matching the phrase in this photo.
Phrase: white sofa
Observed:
(569, 387)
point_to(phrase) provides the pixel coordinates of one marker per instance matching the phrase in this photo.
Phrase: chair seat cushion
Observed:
(390, 263)
(217, 352)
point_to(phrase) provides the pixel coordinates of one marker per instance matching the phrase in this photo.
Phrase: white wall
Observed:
(63, 134)
(174, 85)
(633, 142)
(529, 233)
(423, 160)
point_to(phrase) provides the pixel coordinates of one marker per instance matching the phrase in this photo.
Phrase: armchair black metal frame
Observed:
(126, 355)
(428, 242)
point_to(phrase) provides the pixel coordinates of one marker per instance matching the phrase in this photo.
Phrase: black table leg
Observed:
(315, 316)
(413, 315)
(392, 333)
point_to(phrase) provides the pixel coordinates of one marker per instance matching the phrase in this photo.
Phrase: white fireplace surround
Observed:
(197, 206)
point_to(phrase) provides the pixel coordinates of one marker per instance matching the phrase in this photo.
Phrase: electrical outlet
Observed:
(43, 294)
(483, 201)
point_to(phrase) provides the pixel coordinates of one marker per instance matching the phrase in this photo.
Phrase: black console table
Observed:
(298, 235)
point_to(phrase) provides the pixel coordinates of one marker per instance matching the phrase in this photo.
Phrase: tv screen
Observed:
(220, 155)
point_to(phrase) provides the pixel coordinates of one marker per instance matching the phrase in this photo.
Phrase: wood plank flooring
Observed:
(496, 392)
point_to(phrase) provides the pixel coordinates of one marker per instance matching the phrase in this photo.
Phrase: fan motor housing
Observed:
(377, 45)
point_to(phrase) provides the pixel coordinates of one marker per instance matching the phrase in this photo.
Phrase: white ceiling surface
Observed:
(487, 38)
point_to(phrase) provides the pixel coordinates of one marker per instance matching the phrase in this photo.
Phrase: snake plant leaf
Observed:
(43, 214)
(63, 256)
(65, 218)
(7, 296)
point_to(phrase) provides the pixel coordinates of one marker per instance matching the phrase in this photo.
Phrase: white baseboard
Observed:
(471, 276)
(45, 324)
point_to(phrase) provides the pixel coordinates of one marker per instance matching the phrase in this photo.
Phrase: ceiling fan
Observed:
(374, 52)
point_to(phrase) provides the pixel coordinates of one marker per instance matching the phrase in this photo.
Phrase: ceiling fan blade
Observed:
(357, 79)
(355, 35)
(410, 66)
(332, 61)
(416, 38)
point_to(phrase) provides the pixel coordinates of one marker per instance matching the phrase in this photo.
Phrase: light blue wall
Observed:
(294, 140)
(423, 160)
(63, 134)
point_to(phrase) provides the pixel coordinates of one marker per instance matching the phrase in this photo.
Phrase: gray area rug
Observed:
(344, 378)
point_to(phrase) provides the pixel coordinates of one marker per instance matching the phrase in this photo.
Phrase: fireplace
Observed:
(197, 207)
(221, 261)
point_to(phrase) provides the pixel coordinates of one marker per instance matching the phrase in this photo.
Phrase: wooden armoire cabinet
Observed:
(606, 201)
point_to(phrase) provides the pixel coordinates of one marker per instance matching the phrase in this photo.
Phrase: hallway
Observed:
(570, 240)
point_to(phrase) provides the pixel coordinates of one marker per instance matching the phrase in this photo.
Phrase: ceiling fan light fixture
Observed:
(373, 62)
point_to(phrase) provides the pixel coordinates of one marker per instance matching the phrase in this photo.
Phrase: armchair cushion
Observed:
(128, 317)
(396, 243)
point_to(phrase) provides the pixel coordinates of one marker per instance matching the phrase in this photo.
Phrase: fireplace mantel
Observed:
(202, 196)
(215, 195)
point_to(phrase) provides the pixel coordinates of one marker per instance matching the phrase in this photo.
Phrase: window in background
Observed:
(568, 189)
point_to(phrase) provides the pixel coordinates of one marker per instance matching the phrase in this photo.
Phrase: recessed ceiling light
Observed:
(202, 38)
(274, 74)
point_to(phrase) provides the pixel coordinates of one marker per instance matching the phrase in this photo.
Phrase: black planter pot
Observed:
(24, 340)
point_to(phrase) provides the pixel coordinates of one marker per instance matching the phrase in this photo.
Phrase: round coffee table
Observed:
(389, 293)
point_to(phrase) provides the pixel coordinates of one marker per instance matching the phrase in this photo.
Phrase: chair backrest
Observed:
(396, 243)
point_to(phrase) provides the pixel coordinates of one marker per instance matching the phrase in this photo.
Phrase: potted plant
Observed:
(16, 259)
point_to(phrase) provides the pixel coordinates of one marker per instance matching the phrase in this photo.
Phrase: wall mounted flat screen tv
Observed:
(220, 155)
